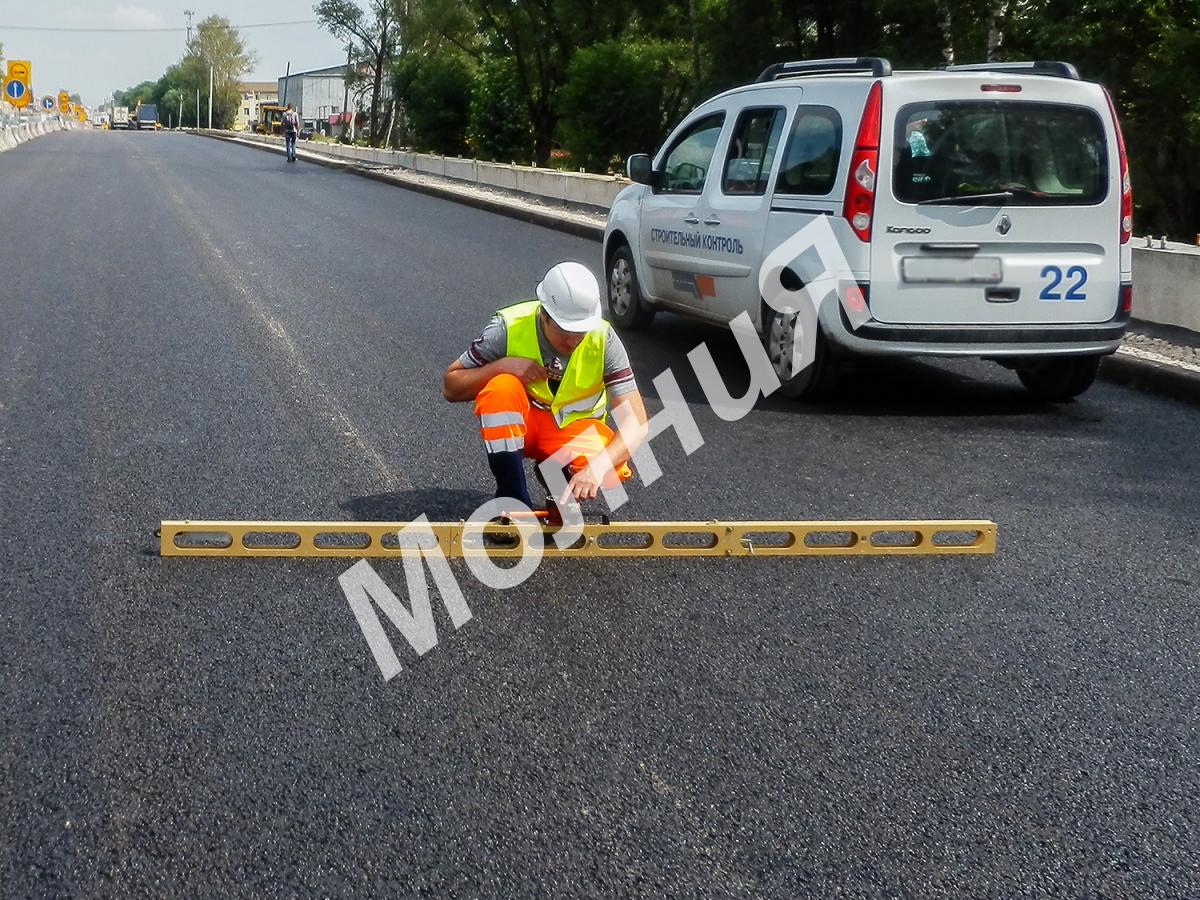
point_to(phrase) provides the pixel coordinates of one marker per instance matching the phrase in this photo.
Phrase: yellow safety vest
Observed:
(581, 393)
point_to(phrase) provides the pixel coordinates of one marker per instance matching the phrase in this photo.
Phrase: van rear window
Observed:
(962, 151)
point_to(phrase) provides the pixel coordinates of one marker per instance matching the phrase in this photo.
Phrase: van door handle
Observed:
(712, 220)
(692, 219)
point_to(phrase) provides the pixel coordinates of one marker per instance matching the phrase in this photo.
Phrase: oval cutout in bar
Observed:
(695, 540)
(413, 540)
(626, 540)
(831, 539)
(342, 540)
(957, 538)
(767, 539)
(270, 540)
(896, 538)
(203, 540)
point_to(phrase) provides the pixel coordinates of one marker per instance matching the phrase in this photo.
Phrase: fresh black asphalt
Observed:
(190, 329)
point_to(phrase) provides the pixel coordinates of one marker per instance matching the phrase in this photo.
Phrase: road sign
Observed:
(64, 102)
(16, 84)
(49, 103)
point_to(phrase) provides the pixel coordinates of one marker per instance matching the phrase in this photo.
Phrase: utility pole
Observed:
(180, 120)
(346, 98)
(210, 90)
(197, 109)
(189, 13)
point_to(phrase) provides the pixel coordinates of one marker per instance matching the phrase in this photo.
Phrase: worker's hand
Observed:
(525, 369)
(584, 485)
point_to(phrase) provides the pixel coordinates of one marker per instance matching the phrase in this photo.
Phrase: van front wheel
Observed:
(1059, 379)
(626, 305)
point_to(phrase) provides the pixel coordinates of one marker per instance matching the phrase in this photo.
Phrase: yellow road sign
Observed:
(618, 539)
(16, 83)
(64, 102)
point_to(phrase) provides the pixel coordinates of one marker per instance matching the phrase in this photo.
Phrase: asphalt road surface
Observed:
(197, 330)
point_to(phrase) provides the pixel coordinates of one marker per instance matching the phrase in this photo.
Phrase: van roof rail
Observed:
(876, 65)
(1052, 68)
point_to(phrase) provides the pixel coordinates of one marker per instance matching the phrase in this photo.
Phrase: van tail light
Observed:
(1127, 298)
(1001, 88)
(1126, 184)
(859, 206)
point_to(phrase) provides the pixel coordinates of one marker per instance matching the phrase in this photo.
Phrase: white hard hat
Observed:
(571, 297)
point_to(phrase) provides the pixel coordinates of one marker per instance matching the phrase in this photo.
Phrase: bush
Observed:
(499, 121)
(436, 92)
(621, 97)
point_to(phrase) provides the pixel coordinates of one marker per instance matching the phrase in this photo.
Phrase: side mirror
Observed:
(638, 168)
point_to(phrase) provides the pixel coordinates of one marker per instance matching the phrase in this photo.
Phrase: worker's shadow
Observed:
(438, 504)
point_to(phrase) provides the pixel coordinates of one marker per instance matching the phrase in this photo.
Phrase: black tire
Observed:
(816, 380)
(626, 305)
(1059, 379)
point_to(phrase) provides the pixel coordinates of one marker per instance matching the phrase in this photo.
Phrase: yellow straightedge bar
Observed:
(359, 539)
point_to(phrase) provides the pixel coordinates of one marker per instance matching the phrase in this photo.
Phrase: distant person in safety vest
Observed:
(291, 127)
(541, 376)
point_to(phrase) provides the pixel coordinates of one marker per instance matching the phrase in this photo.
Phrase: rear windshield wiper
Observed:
(1010, 192)
(989, 197)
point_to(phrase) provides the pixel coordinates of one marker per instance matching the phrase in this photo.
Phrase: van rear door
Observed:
(999, 202)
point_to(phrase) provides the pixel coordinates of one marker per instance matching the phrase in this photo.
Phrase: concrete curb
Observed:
(1155, 378)
(513, 209)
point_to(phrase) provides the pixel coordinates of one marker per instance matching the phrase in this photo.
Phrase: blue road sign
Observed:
(49, 103)
(14, 90)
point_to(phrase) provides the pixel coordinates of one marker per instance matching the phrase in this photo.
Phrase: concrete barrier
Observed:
(1166, 284)
(576, 189)
(14, 135)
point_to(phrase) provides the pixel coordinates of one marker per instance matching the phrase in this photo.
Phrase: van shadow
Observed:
(867, 386)
(438, 504)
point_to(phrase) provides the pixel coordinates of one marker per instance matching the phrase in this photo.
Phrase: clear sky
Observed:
(94, 64)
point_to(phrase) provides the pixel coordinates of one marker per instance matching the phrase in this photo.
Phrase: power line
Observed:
(146, 30)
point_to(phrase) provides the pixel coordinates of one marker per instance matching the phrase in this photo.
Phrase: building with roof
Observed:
(253, 94)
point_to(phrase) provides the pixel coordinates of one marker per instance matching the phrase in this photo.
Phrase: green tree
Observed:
(622, 97)
(216, 46)
(541, 37)
(1143, 51)
(499, 122)
(436, 93)
(373, 33)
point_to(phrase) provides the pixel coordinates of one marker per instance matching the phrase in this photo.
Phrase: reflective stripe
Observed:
(505, 444)
(591, 407)
(491, 420)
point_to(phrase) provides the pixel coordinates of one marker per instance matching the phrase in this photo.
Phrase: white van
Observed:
(984, 210)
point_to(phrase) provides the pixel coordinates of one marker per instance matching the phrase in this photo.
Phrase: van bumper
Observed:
(993, 341)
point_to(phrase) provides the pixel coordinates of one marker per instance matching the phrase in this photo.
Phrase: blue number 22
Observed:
(1055, 275)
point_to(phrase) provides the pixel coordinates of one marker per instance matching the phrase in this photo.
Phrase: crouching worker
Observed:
(541, 376)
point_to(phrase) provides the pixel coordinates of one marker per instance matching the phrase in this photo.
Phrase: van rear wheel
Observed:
(813, 381)
(1059, 379)
(626, 305)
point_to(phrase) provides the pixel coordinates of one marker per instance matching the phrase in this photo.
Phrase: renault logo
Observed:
(1004, 226)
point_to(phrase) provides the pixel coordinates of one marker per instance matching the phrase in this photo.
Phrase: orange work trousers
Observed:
(508, 421)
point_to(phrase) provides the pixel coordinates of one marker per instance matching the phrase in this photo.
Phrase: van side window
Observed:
(686, 165)
(810, 162)
(752, 151)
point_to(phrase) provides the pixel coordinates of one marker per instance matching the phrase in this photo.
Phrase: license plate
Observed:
(951, 269)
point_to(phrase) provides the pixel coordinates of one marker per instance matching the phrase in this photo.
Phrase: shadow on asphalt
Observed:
(866, 387)
(439, 504)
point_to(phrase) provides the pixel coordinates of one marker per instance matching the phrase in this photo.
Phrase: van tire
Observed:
(626, 305)
(1058, 379)
(818, 378)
